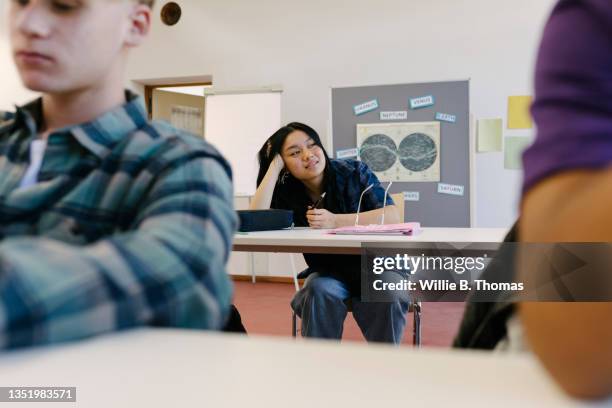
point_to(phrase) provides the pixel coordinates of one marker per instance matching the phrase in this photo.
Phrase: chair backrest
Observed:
(398, 199)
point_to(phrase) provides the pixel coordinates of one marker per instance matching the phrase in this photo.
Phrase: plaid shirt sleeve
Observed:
(5, 116)
(375, 197)
(167, 270)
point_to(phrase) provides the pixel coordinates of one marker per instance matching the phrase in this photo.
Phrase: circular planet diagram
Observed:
(417, 152)
(379, 152)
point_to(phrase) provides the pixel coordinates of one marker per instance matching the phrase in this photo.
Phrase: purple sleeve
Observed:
(573, 91)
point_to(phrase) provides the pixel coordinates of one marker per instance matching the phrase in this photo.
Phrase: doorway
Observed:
(178, 102)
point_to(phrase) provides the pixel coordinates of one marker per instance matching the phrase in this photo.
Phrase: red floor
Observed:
(265, 310)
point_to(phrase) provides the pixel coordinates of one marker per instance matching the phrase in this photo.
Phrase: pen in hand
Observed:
(317, 203)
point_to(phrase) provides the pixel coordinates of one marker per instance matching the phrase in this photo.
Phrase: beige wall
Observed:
(163, 102)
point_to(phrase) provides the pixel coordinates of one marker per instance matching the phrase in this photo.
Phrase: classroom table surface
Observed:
(175, 368)
(304, 240)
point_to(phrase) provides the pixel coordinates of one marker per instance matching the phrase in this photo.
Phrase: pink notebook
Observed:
(407, 228)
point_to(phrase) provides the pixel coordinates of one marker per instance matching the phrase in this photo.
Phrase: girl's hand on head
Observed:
(320, 218)
(277, 164)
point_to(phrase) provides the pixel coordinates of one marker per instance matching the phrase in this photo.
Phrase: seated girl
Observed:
(295, 172)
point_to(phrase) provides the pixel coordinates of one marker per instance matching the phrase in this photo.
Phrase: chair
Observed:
(398, 199)
(414, 307)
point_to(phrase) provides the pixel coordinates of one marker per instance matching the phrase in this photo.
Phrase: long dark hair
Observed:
(290, 192)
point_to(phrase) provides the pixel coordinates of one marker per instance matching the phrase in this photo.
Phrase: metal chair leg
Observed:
(416, 315)
(293, 325)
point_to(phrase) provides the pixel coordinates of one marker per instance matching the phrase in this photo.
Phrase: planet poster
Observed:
(401, 152)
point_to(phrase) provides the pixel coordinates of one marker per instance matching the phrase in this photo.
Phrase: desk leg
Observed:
(252, 257)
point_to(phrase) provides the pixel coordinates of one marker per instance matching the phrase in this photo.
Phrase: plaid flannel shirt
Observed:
(352, 178)
(130, 224)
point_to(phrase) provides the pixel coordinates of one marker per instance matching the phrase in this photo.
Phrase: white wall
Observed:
(309, 46)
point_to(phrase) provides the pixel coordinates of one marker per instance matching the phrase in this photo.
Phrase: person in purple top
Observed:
(567, 191)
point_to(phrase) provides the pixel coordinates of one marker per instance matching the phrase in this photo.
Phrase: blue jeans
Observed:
(322, 306)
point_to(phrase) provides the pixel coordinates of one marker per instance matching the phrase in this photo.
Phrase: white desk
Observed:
(169, 368)
(319, 241)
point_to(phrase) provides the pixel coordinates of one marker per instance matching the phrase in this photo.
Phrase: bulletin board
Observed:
(416, 135)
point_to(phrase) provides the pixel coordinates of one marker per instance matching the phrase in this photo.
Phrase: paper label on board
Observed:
(365, 107)
(422, 102)
(411, 196)
(347, 153)
(446, 117)
(394, 115)
(451, 189)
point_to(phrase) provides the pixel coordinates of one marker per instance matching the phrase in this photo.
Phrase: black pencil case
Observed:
(264, 220)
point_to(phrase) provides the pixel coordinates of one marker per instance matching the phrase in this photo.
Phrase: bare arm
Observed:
(573, 340)
(570, 163)
(263, 195)
(370, 217)
(326, 219)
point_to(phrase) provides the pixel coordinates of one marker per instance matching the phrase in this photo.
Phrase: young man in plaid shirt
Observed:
(108, 221)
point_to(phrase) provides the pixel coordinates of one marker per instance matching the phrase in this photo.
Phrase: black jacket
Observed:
(484, 323)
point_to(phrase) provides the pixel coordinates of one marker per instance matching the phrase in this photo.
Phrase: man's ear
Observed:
(139, 25)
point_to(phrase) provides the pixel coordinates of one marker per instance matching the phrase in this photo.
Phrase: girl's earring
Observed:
(283, 176)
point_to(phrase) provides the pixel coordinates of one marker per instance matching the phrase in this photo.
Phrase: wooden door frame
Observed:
(148, 93)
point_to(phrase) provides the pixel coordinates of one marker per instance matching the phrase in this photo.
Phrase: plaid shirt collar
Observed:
(343, 169)
(99, 135)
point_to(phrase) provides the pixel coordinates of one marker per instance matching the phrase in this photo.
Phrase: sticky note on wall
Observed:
(519, 116)
(489, 135)
(513, 151)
